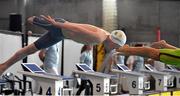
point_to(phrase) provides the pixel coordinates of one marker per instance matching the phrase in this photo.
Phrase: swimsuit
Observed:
(53, 36)
(170, 56)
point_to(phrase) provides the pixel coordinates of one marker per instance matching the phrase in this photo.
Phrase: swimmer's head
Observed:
(118, 37)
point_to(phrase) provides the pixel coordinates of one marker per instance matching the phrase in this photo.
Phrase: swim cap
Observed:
(118, 37)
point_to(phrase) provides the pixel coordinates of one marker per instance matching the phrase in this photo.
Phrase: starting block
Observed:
(51, 84)
(100, 81)
(135, 81)
(175, 73)
(161, 78)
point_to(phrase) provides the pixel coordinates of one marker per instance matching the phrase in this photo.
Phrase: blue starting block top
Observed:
(123, 67)
(84, 67)
(32, 67)
(150, 67)
(171, 67)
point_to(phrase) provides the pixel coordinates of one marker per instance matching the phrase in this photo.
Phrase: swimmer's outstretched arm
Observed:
(140, 51)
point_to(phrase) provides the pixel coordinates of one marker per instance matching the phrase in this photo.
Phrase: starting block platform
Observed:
(51, 84)
(103, 84)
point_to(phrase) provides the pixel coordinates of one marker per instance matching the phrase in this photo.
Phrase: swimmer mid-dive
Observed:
(168, 54)
(81, 33)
